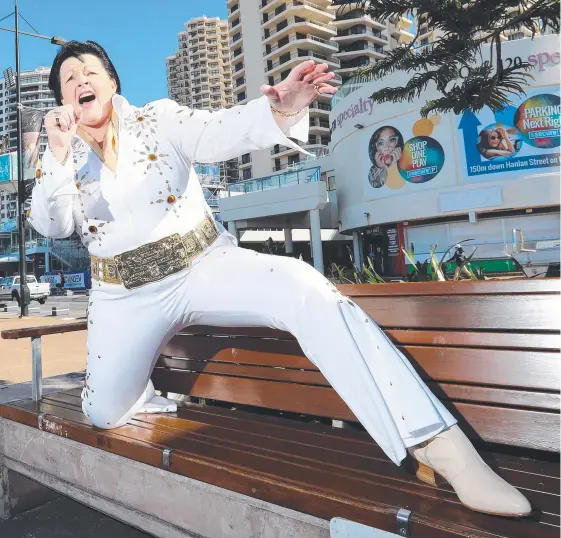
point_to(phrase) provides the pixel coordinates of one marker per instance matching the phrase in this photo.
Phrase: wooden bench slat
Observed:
(494, 396)
(476, 339)
(516, 369)
(518, 427)
(318, 401)
(501, 312)
(451, 338)
(542, 490)
(465, 287)
(258, 372)
(530, 429)
(449, 391)
(541, 476)
(293, 485)
(204, 347)
(507, 368)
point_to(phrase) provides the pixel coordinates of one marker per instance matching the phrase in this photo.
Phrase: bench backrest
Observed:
(489, 350)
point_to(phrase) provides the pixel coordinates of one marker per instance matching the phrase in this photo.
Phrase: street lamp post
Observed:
(24, 294)
(25, 297)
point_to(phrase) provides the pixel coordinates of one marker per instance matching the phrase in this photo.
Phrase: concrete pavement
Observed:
(64, 518)
(62, 353)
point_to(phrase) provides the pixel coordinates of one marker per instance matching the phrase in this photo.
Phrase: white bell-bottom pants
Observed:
(231, 286)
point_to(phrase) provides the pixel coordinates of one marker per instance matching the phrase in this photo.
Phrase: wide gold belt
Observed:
(155, 261)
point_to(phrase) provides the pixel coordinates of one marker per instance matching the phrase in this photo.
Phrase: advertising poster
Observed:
(32, 123)
(515, 142)
(406, 153)
(5, 169)
(8, 226)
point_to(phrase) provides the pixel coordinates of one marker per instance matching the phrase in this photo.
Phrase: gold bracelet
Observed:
(284, 114)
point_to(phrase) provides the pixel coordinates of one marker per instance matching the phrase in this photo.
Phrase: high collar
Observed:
(120, 105)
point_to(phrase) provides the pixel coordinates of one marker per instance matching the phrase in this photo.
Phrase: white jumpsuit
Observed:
(153, 193)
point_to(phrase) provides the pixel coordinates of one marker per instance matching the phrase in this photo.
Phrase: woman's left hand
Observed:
(300, 88)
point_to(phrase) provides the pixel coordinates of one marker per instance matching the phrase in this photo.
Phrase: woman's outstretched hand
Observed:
(300, 88)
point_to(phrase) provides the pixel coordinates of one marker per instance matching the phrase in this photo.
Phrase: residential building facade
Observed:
(270, 37)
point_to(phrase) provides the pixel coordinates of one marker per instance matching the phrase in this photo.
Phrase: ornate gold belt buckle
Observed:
(152, 262)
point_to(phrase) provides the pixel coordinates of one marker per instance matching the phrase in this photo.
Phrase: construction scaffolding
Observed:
(215, 178)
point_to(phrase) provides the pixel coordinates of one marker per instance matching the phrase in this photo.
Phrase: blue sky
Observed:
(137, 34)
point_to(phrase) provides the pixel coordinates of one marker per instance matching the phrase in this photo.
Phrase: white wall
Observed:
(493, 237)
(451, 191)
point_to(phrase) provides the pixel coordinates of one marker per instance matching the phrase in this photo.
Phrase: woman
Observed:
(385, 149)
(123, 177)
(495, 143)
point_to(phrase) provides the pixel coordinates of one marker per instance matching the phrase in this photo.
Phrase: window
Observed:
(284, 58)
(246, 174)
(284, 74)
(282, 42)
(241, 96)
(234, 8)
(246, 158)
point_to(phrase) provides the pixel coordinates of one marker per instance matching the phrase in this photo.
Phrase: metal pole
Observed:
(37, 369)
(24, 288)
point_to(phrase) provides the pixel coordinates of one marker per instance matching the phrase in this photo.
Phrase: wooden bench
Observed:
(258, 450)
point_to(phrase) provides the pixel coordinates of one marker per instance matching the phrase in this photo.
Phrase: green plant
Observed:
(420, 270)
(367, 275)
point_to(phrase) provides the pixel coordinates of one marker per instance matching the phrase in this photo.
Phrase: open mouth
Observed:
(86, 97)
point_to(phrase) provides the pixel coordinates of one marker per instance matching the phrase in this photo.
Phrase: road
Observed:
(67, 307)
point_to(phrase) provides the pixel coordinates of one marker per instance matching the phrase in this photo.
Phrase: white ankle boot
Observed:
(156, 404)
(451, 455)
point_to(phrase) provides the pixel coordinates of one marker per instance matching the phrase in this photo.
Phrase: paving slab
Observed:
(64, 518)
(62, 353)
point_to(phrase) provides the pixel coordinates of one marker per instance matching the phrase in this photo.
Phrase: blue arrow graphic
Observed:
(468, 124)
(506, 115)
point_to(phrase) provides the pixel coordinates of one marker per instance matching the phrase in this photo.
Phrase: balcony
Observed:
(347, 20)
(279, 150)
(312, 43)
(320, 13)
(235, 39)
(296, 57)
(299, 24)
(353, 65)
(320, 107)
(319, 126)
(268, 4)
(234, 24)
(276, 181)
(360, 32)
(360, 49)
(402, 36)
(237, 54)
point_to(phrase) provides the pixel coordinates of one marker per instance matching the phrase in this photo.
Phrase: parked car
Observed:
(9, 289)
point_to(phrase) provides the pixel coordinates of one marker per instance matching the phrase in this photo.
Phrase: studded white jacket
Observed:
(154, 191)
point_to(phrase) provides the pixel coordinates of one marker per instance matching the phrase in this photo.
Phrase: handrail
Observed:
(302, 37)
(45, 330)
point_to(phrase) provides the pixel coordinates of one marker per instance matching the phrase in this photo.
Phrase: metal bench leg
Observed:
(4, 492)
(37, 369)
